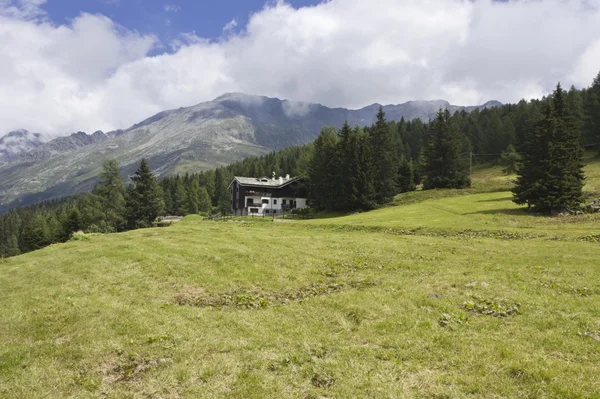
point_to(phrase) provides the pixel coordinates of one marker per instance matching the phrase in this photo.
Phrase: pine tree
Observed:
(204, 203)
(12, 246)
(222, 193)
(71, 224)
(550, 178)
(592, 113)
(112, 191)
(384, 160)
(323, 170)
(359, 190)
(193, 200)
(406, 175)
(180, 197)
(342, 165)
(575, 105)
(35, 233)
(446, 156)
(144, 200)
(509, 160)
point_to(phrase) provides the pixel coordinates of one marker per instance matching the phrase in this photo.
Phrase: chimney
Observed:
(280, 180)
(287, 177)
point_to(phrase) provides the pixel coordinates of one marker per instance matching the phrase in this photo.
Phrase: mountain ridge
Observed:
(186, 139)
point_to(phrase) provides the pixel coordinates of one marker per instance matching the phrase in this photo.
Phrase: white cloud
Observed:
(171, 8)
(22, 8)
(230, 26)
(93, 74)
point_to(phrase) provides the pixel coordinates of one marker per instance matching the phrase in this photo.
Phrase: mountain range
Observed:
(191, 139)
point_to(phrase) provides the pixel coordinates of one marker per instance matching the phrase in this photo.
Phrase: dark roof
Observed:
(264, 181)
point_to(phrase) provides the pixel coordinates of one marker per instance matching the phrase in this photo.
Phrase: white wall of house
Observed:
(268, 205)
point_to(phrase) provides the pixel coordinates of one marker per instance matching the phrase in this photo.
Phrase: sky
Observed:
(71, 65)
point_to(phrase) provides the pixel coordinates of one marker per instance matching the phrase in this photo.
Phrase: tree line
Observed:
(353, 168)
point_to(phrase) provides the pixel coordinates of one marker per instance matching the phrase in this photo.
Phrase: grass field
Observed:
(444, 295)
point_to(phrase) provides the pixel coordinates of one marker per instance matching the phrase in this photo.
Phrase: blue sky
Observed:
(165, 18)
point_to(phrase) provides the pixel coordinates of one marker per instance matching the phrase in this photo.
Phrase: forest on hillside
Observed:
(353, 168)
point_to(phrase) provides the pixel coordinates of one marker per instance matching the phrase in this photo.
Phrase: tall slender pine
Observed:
(550, 177)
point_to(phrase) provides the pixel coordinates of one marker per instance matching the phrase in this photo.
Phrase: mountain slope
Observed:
(195, 138)
(18, 142)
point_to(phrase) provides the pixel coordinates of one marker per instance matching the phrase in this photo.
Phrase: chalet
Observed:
(251, 196)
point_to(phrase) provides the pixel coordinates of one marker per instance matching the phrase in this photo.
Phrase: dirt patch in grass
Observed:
(257, 299)
(130, 367)
(456, 233)
(492, 307)
(561, 288)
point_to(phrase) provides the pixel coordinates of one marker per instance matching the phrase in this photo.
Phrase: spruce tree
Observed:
(406, 175)
(446, 155)
(343, 165)
(144, 200)
(550, 177)
(222, 193)
(193, 200)
(180, 197)
(509, 160)
(12, 246)
(591, 121)
(35, 233)
(359, 190)
(575, 104)
(323, 170)
(204, 203)
(384, 160)
(71, 223)
(112, 191)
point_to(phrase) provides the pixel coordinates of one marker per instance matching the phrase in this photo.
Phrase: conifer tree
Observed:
(406, 175)
(71, 224)
(359, 190)
(204, 203)
(509, 160)
(144, 200)
(323, 170)
(12, 246)
(35, 233)
(180, 197)
(222, 193)
(592, 113)
(193, 200)
(550, 177)
(384, 160)
(446, 155)
(112, 191)
(343, 165)
(575, 105)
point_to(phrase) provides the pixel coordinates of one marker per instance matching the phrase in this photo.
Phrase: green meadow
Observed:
(443, 294)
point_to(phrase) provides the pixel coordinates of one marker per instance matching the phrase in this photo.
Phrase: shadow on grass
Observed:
(507, 211)
(497, 199)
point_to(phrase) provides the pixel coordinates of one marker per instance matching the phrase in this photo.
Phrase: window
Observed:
(253, 210)
(265, 201)
(266, 211)
(274, 202)
(283, 202)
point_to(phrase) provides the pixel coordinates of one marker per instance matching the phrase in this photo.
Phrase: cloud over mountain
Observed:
(94, 74)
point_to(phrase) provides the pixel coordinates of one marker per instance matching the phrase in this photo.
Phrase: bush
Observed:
(308, 211)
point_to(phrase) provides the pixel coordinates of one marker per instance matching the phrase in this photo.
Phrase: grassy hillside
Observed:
(486, 206)
(399, 302)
